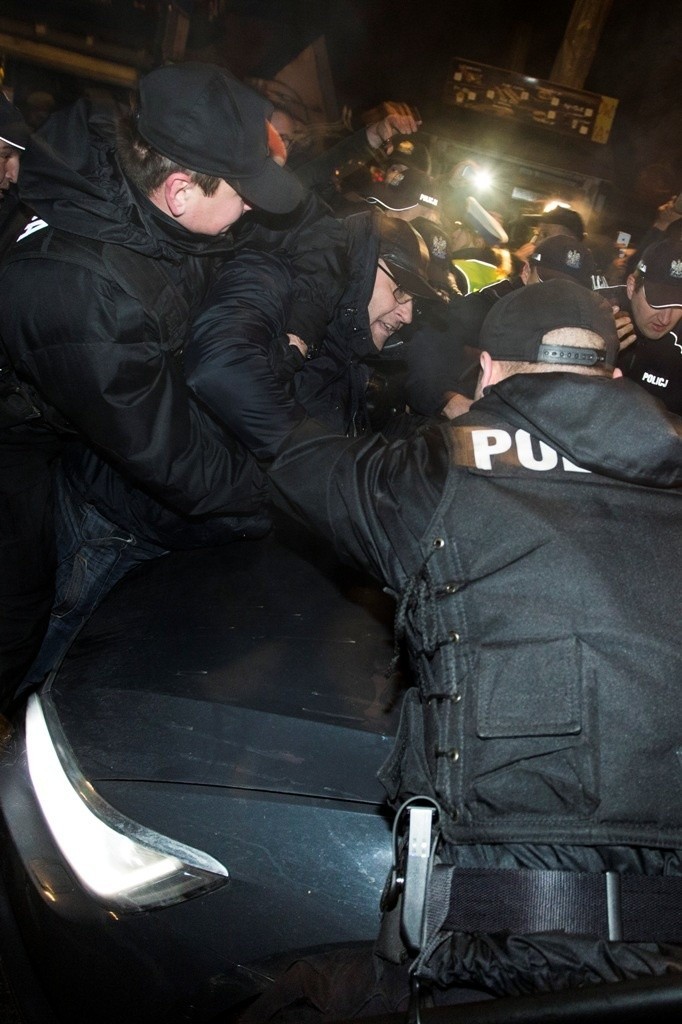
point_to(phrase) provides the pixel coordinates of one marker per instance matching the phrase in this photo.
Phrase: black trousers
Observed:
(27, 552)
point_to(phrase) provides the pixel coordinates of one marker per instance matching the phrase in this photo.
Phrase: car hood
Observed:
(260, 665)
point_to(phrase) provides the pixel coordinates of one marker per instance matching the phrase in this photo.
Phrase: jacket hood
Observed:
(612, 427)
(363, 252)
(71, 178)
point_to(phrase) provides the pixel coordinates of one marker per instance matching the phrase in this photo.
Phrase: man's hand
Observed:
(299, 343)
(666, 214)
(400, 119)
(456, 405)
(287, 356)
(624, 328)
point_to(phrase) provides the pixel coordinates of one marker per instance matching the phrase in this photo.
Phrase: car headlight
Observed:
(120, 862)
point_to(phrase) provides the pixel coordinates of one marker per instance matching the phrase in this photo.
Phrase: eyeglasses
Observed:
(399, 294)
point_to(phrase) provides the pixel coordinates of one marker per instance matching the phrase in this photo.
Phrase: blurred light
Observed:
(482, 180)
(119, 861)
(553, 204)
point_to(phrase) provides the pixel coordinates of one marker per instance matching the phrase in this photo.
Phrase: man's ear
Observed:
(630, 285)
(486, 361)
(176, 191)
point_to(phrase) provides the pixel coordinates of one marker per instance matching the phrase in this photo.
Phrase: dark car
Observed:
(193, 795)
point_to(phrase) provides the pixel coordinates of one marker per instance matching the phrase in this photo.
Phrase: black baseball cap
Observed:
(516, 325)
(403, 188)
(406, 255)
(661, 267)
(440, 268)
(206, 120)
(13, 129)
(569, 219)
(410, 152)
(563, 257)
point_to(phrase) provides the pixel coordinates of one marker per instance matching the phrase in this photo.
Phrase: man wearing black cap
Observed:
(412, 195)
(387, 273)
(648, 313)
(560, 220)
(541, 738)
(561, 257)
(94, 301)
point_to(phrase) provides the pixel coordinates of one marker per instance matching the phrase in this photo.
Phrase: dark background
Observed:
(401, 50)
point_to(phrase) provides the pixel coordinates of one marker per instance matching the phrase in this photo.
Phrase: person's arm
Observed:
(90, 353)
(368, 496)
(361, 145)
(313, 243)
(235, 349)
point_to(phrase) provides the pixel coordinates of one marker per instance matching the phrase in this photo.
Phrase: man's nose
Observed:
(405, 311)
(9, 169)
(665, 315)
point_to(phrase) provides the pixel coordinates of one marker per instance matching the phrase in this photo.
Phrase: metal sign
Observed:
(526, 100)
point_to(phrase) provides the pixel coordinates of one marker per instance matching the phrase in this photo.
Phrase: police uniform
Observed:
(545, 717)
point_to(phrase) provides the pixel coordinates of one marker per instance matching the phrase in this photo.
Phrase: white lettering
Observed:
(487, 443)
(33, 225)
(524, 446)
(572, 468)
(658, 382)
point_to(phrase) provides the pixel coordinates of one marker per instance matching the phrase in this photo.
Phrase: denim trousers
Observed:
(93, 554)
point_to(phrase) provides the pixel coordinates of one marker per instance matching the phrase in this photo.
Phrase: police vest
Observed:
(543, 628)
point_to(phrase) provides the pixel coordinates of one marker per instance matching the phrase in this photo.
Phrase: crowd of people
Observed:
(192, 330)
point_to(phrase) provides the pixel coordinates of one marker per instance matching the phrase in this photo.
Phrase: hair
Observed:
(639, 279)
(511, 368)
(145, 166)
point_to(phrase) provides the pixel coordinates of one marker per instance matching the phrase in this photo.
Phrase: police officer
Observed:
(648, 312)
(542, 733)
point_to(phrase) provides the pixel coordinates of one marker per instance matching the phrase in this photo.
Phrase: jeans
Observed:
(93, 554)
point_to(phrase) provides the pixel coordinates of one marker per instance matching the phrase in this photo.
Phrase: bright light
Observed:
(125, 872)
(483, 180)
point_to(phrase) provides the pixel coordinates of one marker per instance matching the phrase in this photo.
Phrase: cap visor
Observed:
(661, 296)
(411, 282)
(14, 141)
(275, 189)
(549, 274)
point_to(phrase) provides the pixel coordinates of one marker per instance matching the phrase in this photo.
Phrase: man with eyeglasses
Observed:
(249, 390)
(389, 265)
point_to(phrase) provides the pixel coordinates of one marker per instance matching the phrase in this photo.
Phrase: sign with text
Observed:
(527, 100)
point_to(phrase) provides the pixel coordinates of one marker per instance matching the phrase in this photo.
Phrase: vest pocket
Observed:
(529, 689)
(531, 756)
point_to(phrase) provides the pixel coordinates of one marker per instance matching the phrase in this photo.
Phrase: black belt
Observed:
(627, 908)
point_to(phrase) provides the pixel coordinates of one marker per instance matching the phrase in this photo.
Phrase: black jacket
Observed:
(333, 386)
(313, 242)
(94, 354)
(238, 360)
(536, 550)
